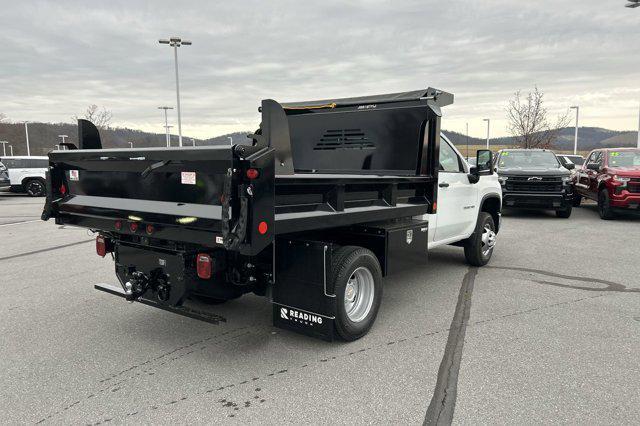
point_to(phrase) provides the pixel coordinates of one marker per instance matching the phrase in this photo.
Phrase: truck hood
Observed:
(624, 171)
(544, 171)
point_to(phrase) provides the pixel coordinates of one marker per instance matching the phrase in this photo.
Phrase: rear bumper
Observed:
(554, 201)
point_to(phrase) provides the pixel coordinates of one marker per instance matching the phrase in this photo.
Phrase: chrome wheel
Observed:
(488, 240)
(358, 294)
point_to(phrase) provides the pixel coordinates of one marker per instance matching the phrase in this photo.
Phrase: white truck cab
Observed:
(468, 206)
(27, 174)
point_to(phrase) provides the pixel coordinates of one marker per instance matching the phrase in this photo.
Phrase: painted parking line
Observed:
(20, 223)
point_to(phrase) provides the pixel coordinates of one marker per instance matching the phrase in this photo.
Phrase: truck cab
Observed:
(462, 197)
(611, 177)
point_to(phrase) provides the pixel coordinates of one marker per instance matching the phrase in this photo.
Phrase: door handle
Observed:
(444, 185)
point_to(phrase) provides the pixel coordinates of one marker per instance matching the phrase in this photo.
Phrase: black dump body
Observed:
(312, 166)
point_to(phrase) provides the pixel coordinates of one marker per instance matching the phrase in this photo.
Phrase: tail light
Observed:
(133, 226)
(63, 189)
(102, 246)
(263, 228)
(150, 229)
(252, 174)
(118, 225)
(204, 266)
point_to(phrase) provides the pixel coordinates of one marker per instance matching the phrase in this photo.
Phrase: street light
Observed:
(488, 120)
(230, 140)
(169, 136)
(575, 138)
(131, 145)
(639, 127)
(11, 148)
(26, 134)
(176, 42)
(467, 141)
(4, 147)
(63, 137)
(166, 122)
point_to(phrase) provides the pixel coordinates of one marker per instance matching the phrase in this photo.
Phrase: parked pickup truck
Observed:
(329, 197)
(612, 178)
(535, 179)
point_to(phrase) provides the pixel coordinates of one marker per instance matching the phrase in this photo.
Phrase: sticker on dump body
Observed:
(188, 178)
(74, 175)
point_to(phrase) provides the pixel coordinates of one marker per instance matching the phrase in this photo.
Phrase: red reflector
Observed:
(63, 189)
(118, 225)
(133, 226)
(253, 173)
(101, 246)
(263, 228)
(150, 229)
(204, 265)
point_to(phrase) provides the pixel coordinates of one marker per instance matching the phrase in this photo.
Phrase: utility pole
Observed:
(166, 121)
(11, 148)
(4, 148)
(63, 137)
(575, 137)
(176, 42)
(26, 134)
(131, 145)
(169, 136)
(488, 120)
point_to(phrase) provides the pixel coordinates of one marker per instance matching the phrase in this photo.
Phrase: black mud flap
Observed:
(303, 296)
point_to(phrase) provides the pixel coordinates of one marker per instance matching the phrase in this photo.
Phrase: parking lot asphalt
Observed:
(548, 332)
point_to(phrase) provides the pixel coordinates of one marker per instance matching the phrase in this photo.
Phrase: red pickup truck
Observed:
(612, 178)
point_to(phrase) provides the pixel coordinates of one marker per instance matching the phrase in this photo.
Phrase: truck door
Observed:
(457, 198)
(592, 175)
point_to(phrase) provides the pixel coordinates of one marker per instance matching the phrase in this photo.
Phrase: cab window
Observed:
(449, 161)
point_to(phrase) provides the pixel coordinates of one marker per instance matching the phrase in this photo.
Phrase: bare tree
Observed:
(100, 117)
(528, 121)
(2, 117)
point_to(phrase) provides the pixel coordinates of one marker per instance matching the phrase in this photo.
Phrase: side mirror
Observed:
(593, 166)
(569, 166)
(484, 162)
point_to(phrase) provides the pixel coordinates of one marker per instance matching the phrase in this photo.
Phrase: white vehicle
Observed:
(469, 206)
(27, 174)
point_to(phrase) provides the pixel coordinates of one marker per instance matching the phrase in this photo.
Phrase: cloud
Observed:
(58, 57)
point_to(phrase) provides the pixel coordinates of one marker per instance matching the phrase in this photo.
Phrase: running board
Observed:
(185, 311)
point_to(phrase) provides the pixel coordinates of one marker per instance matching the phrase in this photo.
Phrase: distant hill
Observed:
(588, 138)
(43, 137)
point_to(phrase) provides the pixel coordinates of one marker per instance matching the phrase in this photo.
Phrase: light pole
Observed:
(166, 121)
(131, 145)
(26, 134)
(488, 120)
(63, 137)
(639, 125)
(56, 147)
(193, 142)
(11, 148)
(230, 140)
(169, 136)
(467, 141)
(4, 147)
(575, 137)
(176, 42)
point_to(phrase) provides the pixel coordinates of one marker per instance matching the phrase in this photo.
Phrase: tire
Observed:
(577, 199)
(478, 248)
(564, 213)
(604, 205)
(35, 187)
(357, 280)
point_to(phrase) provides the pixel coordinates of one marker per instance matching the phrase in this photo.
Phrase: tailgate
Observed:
(180, 187)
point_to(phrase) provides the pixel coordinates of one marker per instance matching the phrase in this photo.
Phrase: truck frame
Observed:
(322, 203)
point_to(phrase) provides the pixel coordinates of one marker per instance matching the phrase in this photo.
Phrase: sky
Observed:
(58, 57)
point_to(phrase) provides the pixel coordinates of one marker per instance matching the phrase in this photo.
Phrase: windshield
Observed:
(575, 159)
(528, 159)
(629, 158)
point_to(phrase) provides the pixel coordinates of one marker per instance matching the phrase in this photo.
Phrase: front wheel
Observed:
(564, 213)
(604, 205)
(357, 279)
(479, 247)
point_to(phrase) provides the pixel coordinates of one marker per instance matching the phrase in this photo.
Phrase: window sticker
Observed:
(74, 175)
(188, 178)
(615, 154)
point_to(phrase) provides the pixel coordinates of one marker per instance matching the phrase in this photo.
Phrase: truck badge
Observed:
(409, 236)
(535, 178)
